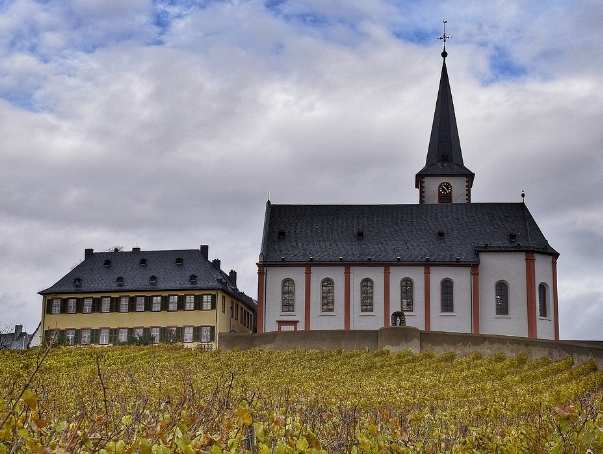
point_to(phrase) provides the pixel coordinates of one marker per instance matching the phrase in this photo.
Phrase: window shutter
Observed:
(113, 336)
(62, 334)
(196, 333)
(146, 333)
(164, 302)
(180, 302)
(114, 304)
(130, 333)
(132, 304)
(147, 303)
(179, 334)
(76, 338)
(197, 302)
(213, 302)
(64, 306)
(48, 309)
(212, 333)
(162, 334)
(94, 336)
(96, 304)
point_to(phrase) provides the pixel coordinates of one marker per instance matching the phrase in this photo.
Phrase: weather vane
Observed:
(444, 37)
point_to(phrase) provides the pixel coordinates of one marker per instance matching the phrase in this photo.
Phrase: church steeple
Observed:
(444, 177)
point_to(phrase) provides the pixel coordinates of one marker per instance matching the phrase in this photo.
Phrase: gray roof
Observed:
(100, 271)
(382, 233)
(444, 155)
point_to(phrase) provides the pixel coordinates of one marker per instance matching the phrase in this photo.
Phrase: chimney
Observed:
(216, 263)
(18, 331)
(233, 277)
(135, 249)
(88, 253)
(205, 251)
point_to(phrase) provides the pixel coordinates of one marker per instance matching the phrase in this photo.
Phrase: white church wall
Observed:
(274, 278)
(459, 320)
(415, 318)
(366, 320)
(509, 267)
(459, 189)
(327, 320)
(545, 326)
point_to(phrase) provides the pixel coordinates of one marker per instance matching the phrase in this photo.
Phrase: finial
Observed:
(523, 196)
(444, 37)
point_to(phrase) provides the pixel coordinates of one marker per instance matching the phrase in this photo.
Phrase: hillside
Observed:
(168, 399)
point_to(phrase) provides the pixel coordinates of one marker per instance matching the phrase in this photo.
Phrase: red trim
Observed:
(346, 298)
(475, 288)
(307, 299)
(555, 299)
(281, 323)
(531, 293)
(386, 296)
(260, 321)
(427, 281)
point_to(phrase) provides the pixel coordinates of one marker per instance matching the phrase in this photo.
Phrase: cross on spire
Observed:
(444, 38)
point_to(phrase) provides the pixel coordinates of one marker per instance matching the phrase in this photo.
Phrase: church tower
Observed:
(444, 179)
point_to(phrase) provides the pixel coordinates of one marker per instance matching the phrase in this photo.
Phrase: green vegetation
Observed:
(166, 399)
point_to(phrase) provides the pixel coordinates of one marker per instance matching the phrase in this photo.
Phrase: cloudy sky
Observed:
(165, 124)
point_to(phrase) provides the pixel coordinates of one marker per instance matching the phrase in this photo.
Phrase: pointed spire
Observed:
(444, 155)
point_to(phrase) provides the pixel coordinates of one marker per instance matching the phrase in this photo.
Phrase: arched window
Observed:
(542, 301)
(328, 295)
(447, 295)
(366, 295)
(288, 295)
(406, 295)
(502, 298)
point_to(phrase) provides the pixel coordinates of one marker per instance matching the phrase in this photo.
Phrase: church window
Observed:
(542, 301)
(288, 295)
(502, 298)
(447, 295)
(366, 295)
(406, 292)
(328, 294)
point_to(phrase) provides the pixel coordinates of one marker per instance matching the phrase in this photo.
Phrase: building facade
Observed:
(447, 263)
(146, 296)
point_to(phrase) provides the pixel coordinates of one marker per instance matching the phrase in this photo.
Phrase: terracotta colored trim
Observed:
(346, 298)
(475, 291)
(386, 296)
(281, 323)
(427, 283)
(307, 298)
(260, 313)
(531, 293)
(555, 299)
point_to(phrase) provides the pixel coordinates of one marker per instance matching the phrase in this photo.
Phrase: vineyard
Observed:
(166, 399)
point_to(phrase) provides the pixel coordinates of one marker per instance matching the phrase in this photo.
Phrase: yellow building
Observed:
(146, 296)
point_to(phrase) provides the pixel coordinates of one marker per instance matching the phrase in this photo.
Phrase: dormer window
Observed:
(281, 233)
(119, 280)
(153, 279)
(512, 237)
(360, 234)
(193, 278)
(441, 234)
(179, 261)
(143, 262)
(107, 263)
(77, 281)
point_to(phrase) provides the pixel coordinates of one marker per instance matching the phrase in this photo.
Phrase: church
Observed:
(446, 263)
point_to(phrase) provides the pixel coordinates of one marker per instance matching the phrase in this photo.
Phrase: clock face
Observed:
(445, 188)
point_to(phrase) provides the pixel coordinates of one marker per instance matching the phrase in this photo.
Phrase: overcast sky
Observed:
(165, 125)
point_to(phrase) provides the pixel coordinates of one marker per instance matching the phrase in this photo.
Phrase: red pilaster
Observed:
(427, 283)
(531, 293)
(475, 302)
(261, 276)
(386, 296)
(555, 299)
(346, 298)
(307, 298)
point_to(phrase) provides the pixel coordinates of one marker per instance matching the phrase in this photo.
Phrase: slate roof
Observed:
(444, 155)
(330, 233)
(99, 272)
